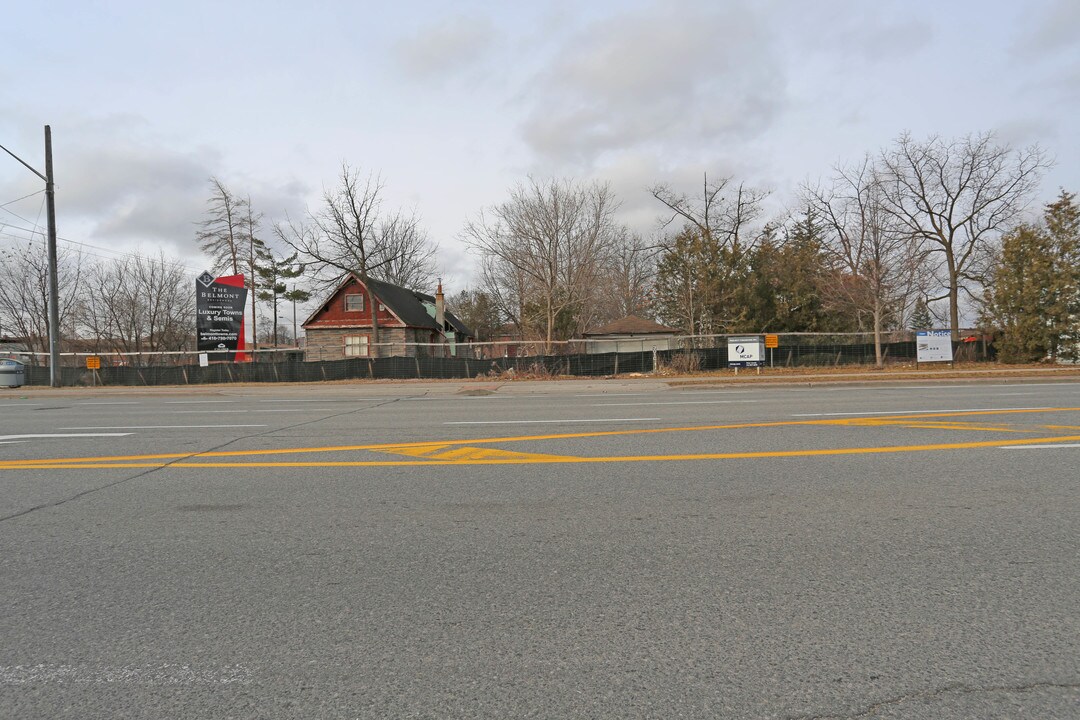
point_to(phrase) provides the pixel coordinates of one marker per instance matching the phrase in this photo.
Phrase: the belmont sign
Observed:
(219, 315)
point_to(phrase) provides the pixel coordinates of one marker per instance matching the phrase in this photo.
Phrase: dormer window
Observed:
(354, 303)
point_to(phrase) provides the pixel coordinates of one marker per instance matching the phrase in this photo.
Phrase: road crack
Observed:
(149, 471)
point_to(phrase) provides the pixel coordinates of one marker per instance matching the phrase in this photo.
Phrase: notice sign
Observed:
(219, 315)
(746, 351)
(933, 346)
(93, 362)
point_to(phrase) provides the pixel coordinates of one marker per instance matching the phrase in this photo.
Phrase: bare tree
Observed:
(220, 234)
(628, 278)
(876, 261)
(350, 234)
(552, 239)
(139, 304)
(705, 258)
(959, 196)
(24, 291)
(254, 252)
(721, 216)
(404, 256)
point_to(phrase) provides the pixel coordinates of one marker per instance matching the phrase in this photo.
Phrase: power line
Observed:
(24, 197)
(118, 253)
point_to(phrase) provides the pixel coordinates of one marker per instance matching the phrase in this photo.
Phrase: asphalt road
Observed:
(570, 549)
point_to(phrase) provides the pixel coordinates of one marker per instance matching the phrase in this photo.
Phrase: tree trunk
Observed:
(373, 348)
(878, 360)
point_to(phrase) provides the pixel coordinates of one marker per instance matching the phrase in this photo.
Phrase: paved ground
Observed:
(571, 549)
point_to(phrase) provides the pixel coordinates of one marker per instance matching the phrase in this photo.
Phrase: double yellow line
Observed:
(462, 452)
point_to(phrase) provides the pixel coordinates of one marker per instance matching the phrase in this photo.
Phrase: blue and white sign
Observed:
(746, 351)
(933, 346)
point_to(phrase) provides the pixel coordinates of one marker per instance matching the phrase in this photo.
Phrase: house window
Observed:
(356, 346)
(354, 303)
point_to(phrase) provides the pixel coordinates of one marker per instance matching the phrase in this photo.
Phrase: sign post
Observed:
(771, 342)
(93, 364)
(219, 313)
(745, 351)
(933, 346)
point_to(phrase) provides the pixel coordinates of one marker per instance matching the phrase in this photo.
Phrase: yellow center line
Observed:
(556, 459)
(182, 459)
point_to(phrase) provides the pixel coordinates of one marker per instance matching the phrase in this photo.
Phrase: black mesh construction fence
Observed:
(699, 354)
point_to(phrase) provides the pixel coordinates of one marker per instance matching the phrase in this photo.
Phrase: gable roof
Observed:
(633, 325)
(406, 304)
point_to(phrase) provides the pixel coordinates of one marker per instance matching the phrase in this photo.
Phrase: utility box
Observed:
(746, 351)
(12, 373)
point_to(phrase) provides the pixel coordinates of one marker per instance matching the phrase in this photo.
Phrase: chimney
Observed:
(440, 308)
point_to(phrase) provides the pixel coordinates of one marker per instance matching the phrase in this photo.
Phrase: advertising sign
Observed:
(219, 315)
(933, 346)
(746, 351)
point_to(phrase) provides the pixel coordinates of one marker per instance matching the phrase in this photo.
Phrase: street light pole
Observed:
(54, 294)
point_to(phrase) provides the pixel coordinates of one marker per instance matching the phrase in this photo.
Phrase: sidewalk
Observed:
(575, 385)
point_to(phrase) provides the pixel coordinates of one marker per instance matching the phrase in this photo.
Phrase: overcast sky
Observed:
(454, 102)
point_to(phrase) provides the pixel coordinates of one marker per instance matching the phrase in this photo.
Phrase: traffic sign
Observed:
(772, 341)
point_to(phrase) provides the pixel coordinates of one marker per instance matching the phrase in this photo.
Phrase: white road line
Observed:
(195, 402)
(61, 435)
(207, 412)
(918, 412)
(261, 410)
(125, 402)
(681, 402)
(286, 400)
(714, 392)
(1040, 447)
(161, 427)
(20, 405)
(530, 422)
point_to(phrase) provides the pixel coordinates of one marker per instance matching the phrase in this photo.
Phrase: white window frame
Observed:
(354, 295)
(355, 345)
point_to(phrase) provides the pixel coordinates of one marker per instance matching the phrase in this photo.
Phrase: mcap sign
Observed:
(933, 346)
(746, 351)
(219, 315)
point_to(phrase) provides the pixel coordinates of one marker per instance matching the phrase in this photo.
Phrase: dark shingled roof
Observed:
(632, 325)
(404, 303)
(408, 305)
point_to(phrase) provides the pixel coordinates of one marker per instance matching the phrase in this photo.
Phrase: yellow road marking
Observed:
(448, 452)
(555, 459)
(439, 453)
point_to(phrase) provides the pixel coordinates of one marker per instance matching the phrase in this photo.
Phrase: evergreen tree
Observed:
(1022, 283)
(1034, 294)
(272, 274)
(921, 319)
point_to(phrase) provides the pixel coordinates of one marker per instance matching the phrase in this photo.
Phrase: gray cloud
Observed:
(1056, 28)
(675, 75)
(438, 51)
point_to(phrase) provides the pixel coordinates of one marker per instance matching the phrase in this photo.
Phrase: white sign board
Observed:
(204, 360)
(933, 346)
(746, 351)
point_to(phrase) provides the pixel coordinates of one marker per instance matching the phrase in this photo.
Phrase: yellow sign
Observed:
(772, 341)
(93, 362)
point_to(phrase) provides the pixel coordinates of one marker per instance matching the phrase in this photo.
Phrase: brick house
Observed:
(341, 327)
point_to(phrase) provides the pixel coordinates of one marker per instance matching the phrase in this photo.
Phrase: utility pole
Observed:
(54, 293)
